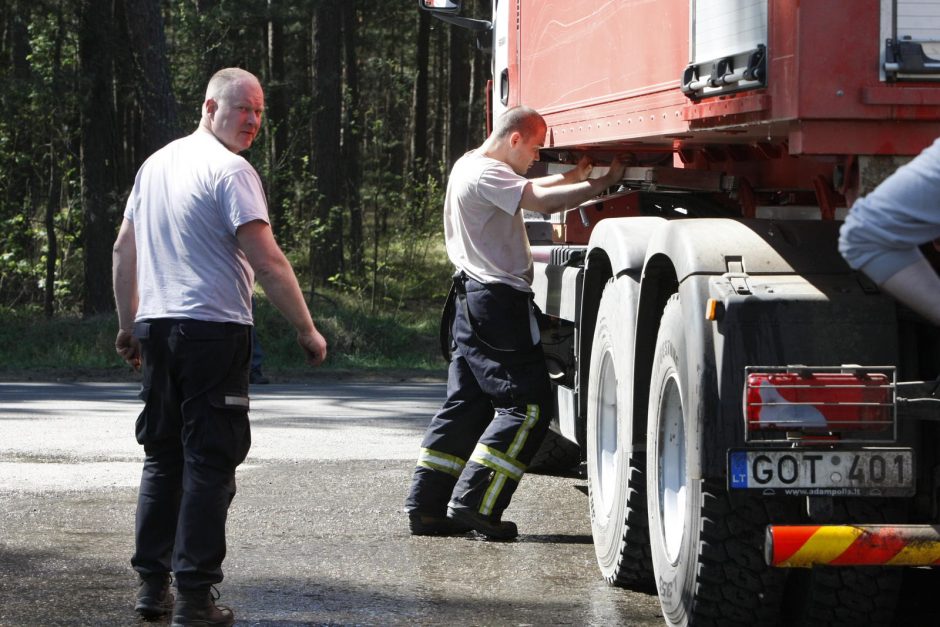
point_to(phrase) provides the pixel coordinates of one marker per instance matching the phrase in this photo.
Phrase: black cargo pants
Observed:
(497, 410)
(194, 429)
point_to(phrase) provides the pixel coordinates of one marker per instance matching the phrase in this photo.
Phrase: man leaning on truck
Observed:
(496, 413)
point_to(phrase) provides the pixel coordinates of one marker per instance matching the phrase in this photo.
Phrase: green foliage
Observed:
(357, 340)
(36, 138)
(31, 343)
(379, 310)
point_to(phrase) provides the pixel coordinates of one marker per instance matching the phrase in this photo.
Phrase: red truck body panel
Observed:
(607, 74)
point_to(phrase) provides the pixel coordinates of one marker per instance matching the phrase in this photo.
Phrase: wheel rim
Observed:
(672, 475)
(606, 464)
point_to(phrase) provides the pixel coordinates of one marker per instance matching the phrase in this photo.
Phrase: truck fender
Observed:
(617, 246)
(787, 297)
(720, 245)
(680, 256)
(624, 241)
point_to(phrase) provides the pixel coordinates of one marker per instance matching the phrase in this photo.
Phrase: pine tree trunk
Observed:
(457, 95)
(160, 120)
(419, 137)
(97, 155)
(352, 136)
(276, 119)
(326, 250)
(55, 183)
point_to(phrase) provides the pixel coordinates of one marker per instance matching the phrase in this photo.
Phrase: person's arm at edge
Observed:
(124, 282)
(273, 271)
(883, 230)
(560, 196)
(918, 286)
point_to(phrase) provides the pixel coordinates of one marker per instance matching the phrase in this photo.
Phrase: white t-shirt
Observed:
(188, 200)
(483, 227)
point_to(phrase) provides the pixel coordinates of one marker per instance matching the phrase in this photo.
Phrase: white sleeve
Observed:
(502, 187)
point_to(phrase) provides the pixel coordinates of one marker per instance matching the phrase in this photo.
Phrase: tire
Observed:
(616, 481)
(849, 595)
(556, 456)
(707, 551)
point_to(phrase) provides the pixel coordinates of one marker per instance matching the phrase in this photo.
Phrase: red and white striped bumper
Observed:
(804, 546)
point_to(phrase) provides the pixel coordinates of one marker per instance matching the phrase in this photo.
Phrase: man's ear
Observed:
(211, 106)
(514, 138)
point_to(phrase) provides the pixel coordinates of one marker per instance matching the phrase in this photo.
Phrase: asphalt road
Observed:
(316, 532)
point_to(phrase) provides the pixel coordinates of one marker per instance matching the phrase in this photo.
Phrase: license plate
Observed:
(868, 472)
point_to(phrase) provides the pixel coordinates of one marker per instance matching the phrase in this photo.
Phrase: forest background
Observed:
(367, 106)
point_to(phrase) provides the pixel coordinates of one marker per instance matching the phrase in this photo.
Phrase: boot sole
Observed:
(502, 531)
(435, 526)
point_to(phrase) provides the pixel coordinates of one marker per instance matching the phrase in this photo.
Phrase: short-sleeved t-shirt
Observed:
(188, 200)
(483, 227)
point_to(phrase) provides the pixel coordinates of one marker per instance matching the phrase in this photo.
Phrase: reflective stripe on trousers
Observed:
(504, 465)
(435, 460)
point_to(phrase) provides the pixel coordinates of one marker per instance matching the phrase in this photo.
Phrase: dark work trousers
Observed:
(194, 429)
(497, 410)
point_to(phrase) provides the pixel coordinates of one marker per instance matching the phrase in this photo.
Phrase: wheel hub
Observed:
(672, 470)
(606, 465)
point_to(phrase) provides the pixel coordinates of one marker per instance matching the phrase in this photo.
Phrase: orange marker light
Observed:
(711, 309)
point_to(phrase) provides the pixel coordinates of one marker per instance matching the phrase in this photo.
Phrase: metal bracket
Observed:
(909, 60)
(746, 70)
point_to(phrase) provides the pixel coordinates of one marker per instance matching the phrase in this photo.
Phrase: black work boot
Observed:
(490, 526)
(154, 598)
(429, 525)
(197, 607)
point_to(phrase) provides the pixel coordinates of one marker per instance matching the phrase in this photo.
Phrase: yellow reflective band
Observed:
(916, 555)
(435, 460)
(531, 417)
(822, 548)
(495, 460)
(492, 493)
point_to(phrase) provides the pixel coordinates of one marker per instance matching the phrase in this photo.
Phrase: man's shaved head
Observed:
(525, 120)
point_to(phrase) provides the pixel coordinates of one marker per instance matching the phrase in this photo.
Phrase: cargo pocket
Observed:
(500, 318)
(228, 432)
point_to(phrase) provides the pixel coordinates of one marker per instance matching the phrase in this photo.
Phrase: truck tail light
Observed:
(820, 403)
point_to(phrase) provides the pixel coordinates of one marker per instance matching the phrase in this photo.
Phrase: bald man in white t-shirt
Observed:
(195, 236)
(496, 414)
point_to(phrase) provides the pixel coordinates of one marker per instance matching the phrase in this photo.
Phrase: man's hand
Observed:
(582, 171)
(128, 348)
(314, 346)
(615, 172)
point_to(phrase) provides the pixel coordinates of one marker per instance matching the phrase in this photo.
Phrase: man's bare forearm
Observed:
(282, 289)
(124, 276)
(560, 197)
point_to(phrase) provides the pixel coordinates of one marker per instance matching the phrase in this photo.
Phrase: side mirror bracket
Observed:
(444, 10)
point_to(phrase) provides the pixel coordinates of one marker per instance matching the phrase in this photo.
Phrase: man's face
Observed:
(235, 116)
(524, 151)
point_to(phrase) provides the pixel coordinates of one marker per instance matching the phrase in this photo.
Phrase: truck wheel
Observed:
(849, 595)
(706, 550)
(616, 481)
(556, 455)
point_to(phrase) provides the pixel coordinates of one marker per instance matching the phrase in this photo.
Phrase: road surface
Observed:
(316, 532)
